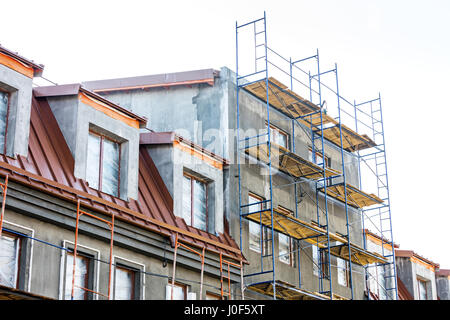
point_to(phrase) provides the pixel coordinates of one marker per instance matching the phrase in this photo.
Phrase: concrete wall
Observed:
(20, 89)
(76, 119)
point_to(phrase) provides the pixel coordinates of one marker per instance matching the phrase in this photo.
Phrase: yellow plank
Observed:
(294, 106)
(355, 197)
(289, 162)
(302, 230)
(286, 291)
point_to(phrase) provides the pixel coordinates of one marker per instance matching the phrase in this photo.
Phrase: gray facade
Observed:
(47, 228)
(411, 271)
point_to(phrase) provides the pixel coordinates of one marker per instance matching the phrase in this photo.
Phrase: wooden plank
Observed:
(294, 106)
(289, 162)
(286, 291)
(355, 197)
(302, 230)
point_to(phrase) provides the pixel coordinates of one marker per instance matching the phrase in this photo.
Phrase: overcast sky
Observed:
(399, 48)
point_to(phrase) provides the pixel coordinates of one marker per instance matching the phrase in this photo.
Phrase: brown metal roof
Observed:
(74, 89)
(49, 168)
(38, 68)
(443, 273)
(152, 81)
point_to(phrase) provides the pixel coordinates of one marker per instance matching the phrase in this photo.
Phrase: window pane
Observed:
(281, 139)
(342, 271)
(187, 200)
(3, 118)
(81, 277)
(178, 292)
(124, 284)
(199, 205)
(276, 136)
(254, 236)
(422, 290)
(284, 251)
(254, 228)
(315, 256)
(111, 165)
(9, 247)
(93, 161)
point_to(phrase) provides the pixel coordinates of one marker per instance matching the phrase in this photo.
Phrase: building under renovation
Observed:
(293, 189)
(258, 183)
(85, 212)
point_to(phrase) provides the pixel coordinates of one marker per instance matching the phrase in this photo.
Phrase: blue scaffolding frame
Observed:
(316, 134)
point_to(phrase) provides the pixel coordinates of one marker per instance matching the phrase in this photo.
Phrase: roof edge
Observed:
(38, 68)
(155, 138)
(76, 88)
(201, 76)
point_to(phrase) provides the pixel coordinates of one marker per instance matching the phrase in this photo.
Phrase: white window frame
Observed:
(261, 242)
(140, 272)
(26, 262)
(95, 253)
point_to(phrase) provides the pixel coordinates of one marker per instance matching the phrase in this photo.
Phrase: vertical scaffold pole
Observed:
(345, 183)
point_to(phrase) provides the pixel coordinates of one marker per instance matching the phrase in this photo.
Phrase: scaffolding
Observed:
(314, 120)
(110, 224)
(201, 253)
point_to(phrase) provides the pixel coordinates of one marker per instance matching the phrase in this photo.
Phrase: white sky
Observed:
(399, 48)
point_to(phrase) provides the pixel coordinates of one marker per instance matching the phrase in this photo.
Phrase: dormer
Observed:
(16, 86)
(102, 137)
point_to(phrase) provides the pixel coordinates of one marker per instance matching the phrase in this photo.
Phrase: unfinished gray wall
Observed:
(202, 111)
(52, 220)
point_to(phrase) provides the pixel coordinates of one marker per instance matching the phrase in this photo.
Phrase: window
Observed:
(422, 289)
(285, 244)
(278, 136)
(256, 229)
(285, 249)
(103, 164)
(4, 115)
(124, 283)
(179, 291)
(213, 296)
(318, 158)
(320, 261)
(195, 198)
(9, 259)
(82, 279)
(343, 268)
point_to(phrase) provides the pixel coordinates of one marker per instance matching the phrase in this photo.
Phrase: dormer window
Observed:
(4, 112)
(195, 207)
(103, 164)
